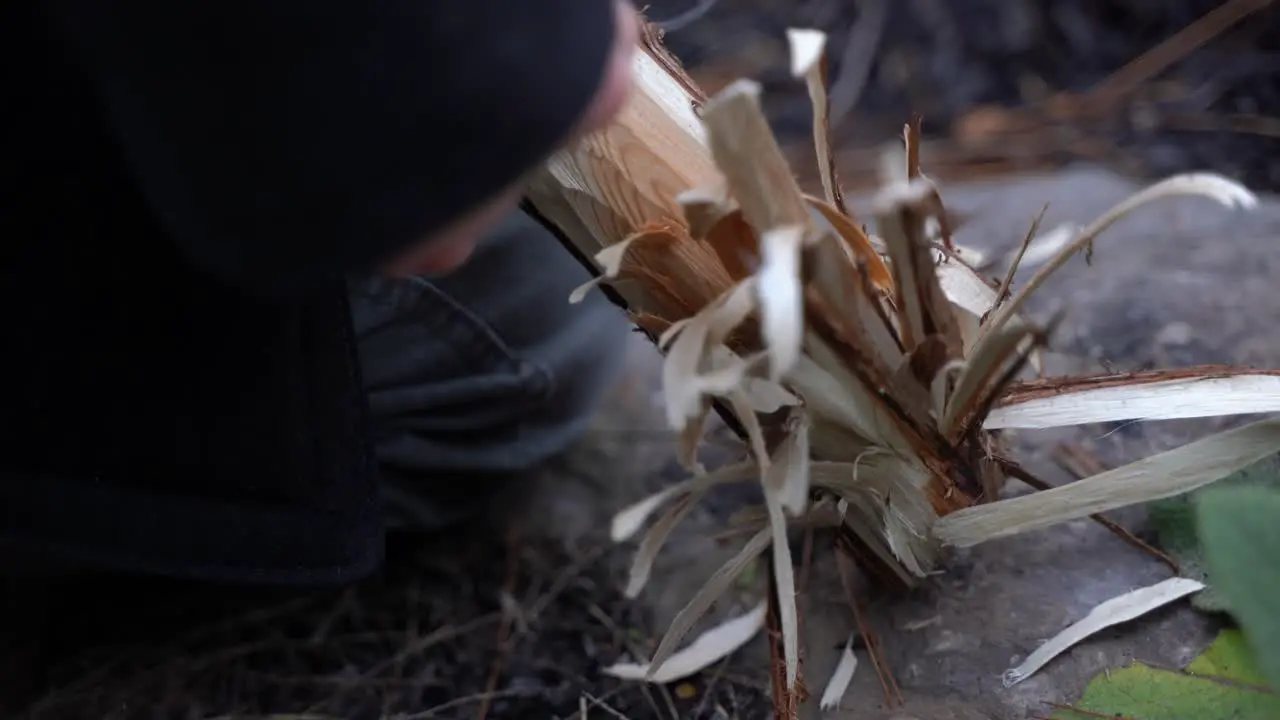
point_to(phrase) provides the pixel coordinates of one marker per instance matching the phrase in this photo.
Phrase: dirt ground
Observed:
(516, 619)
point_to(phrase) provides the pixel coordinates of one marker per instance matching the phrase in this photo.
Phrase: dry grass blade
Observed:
(786, 488)
(1172, 49)
(741, 405)
(691, 439)
(858, 57)
(789, 472)
(1170, 473)
(889, 684)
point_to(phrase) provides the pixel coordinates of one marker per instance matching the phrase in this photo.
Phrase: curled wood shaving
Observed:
(709, 648)
(715, 587)
(628, 521)
(808, 61)
(1215, 187)
(734, 242)
(784, 583)
(610, 260)
(840, 679)
(1169, 473)
(1042, 247)
(704, 207)
(642, 563)
(985, 364)
(687, 375)
(864, 252)
(790, 467)
(780, 299)
(1126, 607)
(1151, 396)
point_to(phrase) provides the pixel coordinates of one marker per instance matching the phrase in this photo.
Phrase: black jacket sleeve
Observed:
(284, 143)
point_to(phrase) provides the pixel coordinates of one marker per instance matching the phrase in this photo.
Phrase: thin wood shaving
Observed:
(1076, 403)
(709, 648)
(1126, 607)
(716, 586)
(1169, 473)
(840, 679)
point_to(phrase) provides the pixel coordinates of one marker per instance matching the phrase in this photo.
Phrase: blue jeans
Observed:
(485, 372)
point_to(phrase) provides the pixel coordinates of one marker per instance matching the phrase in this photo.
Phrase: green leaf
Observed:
(1221, 684)
(1174, 522)
(1239, 530)
(1231, 658)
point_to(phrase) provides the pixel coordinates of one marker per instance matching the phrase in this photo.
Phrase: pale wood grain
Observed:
(613, 182)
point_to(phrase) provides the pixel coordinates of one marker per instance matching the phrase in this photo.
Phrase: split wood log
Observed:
(864, 391)
(634, 175)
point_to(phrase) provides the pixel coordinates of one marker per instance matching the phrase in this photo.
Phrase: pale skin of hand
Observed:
(450, 248)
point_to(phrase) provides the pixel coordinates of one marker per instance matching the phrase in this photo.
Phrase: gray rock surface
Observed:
(1182, 281)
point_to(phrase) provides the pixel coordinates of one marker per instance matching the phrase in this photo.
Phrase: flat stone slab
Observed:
(1183, 281)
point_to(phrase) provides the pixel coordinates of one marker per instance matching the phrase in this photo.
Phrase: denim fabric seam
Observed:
(474, 334)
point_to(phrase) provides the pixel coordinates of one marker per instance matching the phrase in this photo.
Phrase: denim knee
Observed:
(490, 368)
